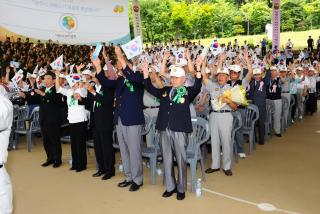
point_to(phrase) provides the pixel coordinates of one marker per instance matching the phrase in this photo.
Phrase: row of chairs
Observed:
(24, 124)
(29, 125)
(197, 140)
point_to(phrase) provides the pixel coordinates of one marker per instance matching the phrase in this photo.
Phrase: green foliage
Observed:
(165, 20)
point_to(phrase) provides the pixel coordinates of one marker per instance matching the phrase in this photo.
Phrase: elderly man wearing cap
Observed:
(257, 93)
(301, 91)
(6, 117)
(174, 124)
(221, 120)
(285, 88)
(293, 93)
(274, 94)
(235, 71)
(312, 88)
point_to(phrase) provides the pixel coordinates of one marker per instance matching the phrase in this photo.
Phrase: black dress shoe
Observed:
(278, 135)
(180, 196)
(107, 176)
(208, 171)
(98, 174)
(124, 183)
(57, 164)
(228, 172)
(47, 163)
(72, 168)
(135, 187)
(81, 169)
(167, 194)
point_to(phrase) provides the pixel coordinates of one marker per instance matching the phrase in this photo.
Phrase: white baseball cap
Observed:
(274, 68)
(87, 72)
(223, 71)
(257, 71)
(283, 68)
(312, 69)
(235, 68)
(176, 71)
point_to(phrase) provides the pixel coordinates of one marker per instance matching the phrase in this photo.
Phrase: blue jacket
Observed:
(128, 104)
(257, 96)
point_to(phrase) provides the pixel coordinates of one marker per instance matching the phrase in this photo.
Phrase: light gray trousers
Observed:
(300, 100)
(174, 144)
(277, 116)
(220, 128)
(286, 111)
(130, 140)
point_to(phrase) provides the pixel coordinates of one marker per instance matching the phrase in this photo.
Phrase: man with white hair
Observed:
(174, 124)
(6, 117)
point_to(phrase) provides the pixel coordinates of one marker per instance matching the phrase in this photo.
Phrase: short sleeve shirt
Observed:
(217, 90)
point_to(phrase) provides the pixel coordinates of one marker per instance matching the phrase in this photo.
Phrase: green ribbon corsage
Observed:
(129, 85)
(98, 104)
(178, 98)
(48, 91)
(73, 101)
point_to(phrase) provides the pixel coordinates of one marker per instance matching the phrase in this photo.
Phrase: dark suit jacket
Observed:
(101, 108)
(175, 116)
(49, 111)
(129, 105)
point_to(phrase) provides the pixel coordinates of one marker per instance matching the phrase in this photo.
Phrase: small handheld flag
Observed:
(133, 48)
(58, 63)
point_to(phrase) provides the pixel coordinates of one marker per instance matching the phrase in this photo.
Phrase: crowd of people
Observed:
(172, 82)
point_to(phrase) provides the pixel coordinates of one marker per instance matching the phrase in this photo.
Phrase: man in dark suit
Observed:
(128, 117)
(49, 118)
(102, 125)
(174, 123)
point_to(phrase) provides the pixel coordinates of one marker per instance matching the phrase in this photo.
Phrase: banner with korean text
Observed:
(68, 21)
(276, 24)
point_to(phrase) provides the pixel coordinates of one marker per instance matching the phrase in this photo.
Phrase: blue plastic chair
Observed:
(248, 125)
(270, 109)
(199, 136)
(34, 128)
(152, 152)
(20, 124)
(237, 123)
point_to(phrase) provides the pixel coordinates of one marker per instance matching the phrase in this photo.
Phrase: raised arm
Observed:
(190, 64)
(249, 66)
(196, 88)
(163, 67)
(147, 82)
(120, 57)
(104, 81)
(133, 77)
(57, 83)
